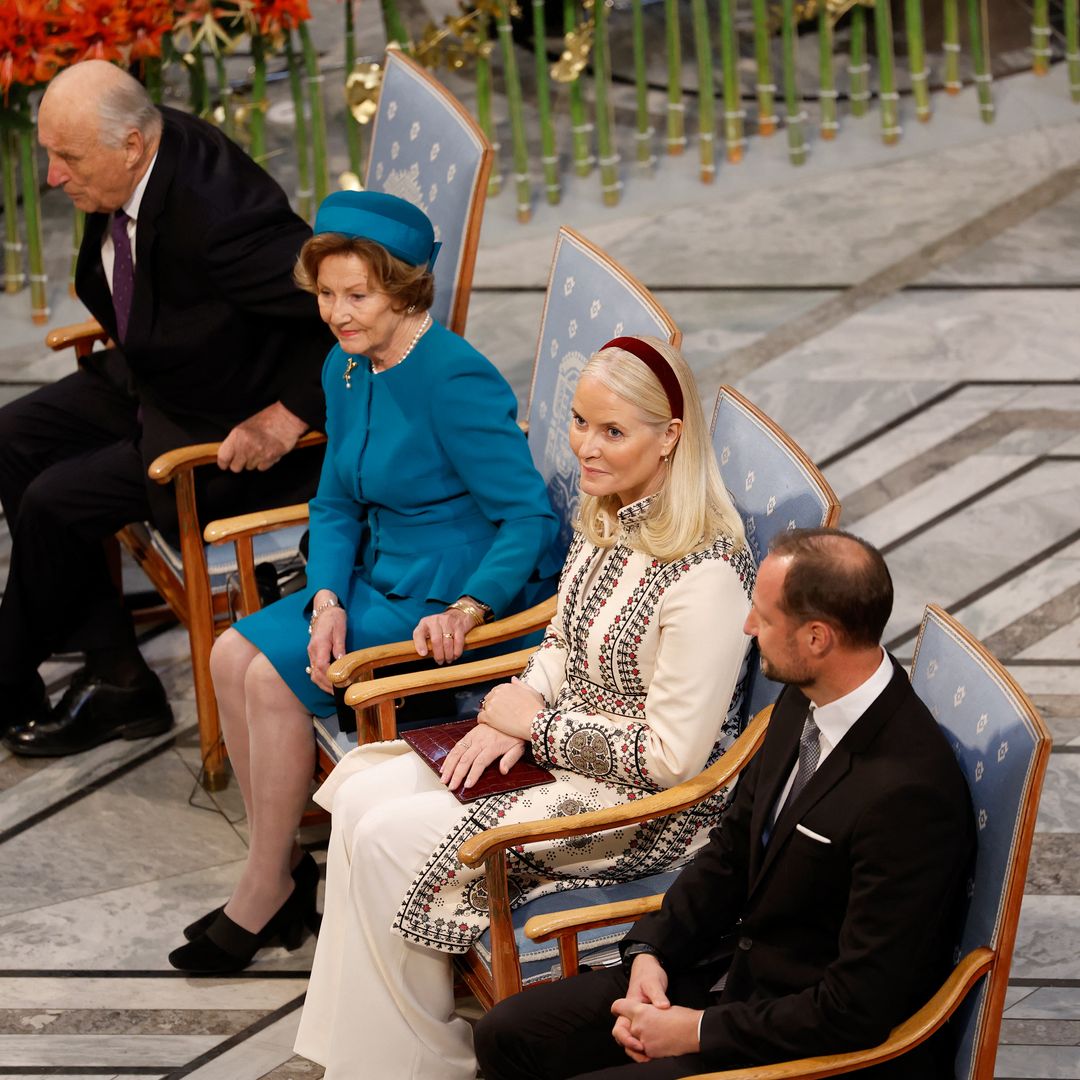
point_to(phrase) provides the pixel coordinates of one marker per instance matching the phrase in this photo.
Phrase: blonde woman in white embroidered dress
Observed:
(635, 688)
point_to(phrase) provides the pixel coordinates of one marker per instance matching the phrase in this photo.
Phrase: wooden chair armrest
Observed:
(916, 1029)
(361, 694)
(680, 797)
(362, 662)
(165, 467)
(575, 920)
(225, 530)
(77, 334)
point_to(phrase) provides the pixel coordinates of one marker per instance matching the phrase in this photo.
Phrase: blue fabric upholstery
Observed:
(275, 547)
(590, 300)
(773, 487)
(425, 148)
(996, 738)
(597, 947)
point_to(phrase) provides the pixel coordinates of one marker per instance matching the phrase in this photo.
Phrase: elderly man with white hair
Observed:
(187, 262)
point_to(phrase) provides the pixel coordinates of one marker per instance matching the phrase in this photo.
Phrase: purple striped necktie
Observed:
(123, 272)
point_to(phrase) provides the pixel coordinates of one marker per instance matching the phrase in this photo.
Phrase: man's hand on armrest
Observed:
(261, 440)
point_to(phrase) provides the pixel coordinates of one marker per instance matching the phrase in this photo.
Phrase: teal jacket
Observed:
(428, 491)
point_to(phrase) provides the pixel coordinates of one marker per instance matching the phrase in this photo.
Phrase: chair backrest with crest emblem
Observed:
(427, 149)
(1003, 746)
(775, 487)
(590, 300)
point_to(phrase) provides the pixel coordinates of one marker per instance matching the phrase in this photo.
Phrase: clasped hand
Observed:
(327, 641)
(648, 1026)
(505, 724)
(261, 440)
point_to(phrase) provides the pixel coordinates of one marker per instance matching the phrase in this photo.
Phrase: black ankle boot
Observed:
(227, 947)
(306, 875)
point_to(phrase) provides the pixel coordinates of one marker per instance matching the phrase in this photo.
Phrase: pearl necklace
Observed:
(350, 363)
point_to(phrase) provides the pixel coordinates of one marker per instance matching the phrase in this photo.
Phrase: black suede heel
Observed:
(306, 876)
(226, 946)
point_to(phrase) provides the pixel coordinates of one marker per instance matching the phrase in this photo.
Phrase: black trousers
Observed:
(73, 472)
(563, 1029)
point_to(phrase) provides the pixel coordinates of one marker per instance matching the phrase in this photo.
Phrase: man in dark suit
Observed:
(823, 910)
(187, 262)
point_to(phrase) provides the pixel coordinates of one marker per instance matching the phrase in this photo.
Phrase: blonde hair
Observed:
(692, 506)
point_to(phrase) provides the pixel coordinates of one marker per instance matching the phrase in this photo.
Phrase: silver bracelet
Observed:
(326, 605)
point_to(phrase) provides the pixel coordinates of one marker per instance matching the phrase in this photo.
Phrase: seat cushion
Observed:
(273, 547)
(596, 948)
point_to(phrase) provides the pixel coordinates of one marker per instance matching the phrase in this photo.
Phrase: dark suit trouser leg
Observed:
(563, 1030)
(70, 476)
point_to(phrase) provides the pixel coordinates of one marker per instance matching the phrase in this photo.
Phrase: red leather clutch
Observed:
(434, 743)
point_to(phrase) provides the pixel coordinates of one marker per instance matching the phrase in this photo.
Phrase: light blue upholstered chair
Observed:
(590, 299)
(427, 149)
(774, 486)
(1003, 746)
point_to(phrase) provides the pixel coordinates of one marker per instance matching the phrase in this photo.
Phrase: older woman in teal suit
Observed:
(429, 518)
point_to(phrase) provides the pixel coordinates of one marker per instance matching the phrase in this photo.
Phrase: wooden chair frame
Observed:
(985, 961)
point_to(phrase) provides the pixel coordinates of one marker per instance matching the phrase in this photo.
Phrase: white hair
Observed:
(124, 106)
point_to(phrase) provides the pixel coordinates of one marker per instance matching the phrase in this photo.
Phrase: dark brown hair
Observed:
(837, 578)
(407, 286)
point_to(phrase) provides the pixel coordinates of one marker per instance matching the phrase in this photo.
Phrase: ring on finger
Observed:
(448, 635)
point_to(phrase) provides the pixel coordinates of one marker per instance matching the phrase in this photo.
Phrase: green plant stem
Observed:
(890, 99)
(152, 77)
(858, 63)
(1072, 47)
(522, 183)
(549, 158)
(580, 127)
(483, 111)
(734, 114)
(916, 43)
(39, 299)
(257, 125)
(352, 128)
(795, 120)
(78, 226)
(1040, 37)
(303, 167)
(766, 87)
(676, 109)
(14, 278)
(318, 114)
(225, 93)
(608, 158)
(200, 88)
(826, 75)
(395, 28)
(706, 103)
(644, 132)
(950, 44)
(979, 31)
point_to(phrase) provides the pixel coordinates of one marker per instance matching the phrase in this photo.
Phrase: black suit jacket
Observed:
(828, 945)
(218, 330)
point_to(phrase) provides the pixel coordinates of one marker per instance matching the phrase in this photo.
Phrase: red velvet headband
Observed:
(656, 363)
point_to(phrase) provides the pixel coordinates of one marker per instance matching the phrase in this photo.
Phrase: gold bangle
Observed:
(469, 609)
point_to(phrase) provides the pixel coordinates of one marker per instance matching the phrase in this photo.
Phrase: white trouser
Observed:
(377, 1006)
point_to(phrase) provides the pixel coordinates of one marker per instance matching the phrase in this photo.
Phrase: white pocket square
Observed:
(813, 835)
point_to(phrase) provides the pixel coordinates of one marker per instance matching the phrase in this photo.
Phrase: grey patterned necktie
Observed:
(809, 756)
(123, 272)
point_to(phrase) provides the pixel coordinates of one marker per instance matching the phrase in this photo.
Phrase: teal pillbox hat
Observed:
(399, 226)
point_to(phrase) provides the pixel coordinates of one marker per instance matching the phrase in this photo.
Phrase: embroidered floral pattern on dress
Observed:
(597, 660)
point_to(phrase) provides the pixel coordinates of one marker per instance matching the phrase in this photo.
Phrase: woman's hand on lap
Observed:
(510, 708)
(443, 635)
(476, 751)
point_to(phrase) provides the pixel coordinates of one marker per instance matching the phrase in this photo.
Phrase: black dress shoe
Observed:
(92, 712)
(23, 703)
(226, 946)
(306, 875)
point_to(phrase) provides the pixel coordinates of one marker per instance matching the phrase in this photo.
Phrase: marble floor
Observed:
(911, 316)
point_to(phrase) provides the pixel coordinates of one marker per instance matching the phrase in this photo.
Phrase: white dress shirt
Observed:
(131, 208)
